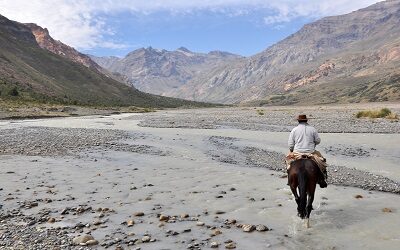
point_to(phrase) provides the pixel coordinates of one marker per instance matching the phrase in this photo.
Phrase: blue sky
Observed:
(202, 31)
(116, 27)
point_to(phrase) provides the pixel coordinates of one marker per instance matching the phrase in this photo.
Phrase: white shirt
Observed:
(303, 138)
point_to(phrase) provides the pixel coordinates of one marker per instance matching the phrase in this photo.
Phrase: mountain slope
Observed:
(161, 71)
(345, 54)
(29, 72)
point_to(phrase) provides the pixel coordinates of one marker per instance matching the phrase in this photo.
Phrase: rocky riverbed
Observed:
(104, 182)
(328, 119)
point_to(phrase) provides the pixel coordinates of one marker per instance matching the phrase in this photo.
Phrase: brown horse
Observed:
(304, 174)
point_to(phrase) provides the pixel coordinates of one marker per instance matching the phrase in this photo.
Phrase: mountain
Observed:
(161, 71)
(45, 41)
(37, 68)
(347, 58)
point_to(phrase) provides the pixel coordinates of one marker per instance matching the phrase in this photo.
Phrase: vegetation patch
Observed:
(260, 112)
(382, 113)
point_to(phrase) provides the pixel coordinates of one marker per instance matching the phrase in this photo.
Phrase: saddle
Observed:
(315, 156)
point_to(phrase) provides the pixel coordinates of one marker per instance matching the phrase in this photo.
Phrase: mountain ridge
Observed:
(159, 71)
(29, 72)
(295, 58)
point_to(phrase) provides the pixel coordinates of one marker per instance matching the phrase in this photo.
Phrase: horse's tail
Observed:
(302, 179)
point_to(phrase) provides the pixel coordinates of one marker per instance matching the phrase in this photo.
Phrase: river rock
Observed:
(146, 238)
(216, 232)
(82, 239)
(164, 217)
(91, 242)
(230, 221)
(248, 228)
(230, 245)
(261, 228)
(214, 244)
(387, 210)
(97, 222)
(130, 223)
(200, 223)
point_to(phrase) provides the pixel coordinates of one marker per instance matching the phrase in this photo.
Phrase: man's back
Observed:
(303, 138)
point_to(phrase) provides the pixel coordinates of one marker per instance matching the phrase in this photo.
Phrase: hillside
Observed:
(161, 71)
(29, 72)
(348, 58)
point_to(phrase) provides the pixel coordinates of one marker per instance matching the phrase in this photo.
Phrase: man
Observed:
(302, 142)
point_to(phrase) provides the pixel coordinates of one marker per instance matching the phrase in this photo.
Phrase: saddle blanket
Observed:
(315, 156)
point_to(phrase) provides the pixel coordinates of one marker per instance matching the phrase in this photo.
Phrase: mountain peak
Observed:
(45, 41)
(37, 28)
(183, 49)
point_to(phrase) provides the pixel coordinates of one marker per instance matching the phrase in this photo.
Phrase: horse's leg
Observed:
(293, 183)
(310, 200)
(296, 196)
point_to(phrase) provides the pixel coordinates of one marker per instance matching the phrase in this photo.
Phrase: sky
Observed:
(116, 27)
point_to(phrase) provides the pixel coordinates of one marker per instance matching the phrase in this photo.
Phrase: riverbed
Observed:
(200, 178)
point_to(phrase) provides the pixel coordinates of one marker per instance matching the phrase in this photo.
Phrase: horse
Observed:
(304, 174)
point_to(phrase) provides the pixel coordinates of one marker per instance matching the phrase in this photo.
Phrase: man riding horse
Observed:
(302, 142)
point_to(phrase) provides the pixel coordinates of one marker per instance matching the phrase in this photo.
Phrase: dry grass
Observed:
(260, 112)
(382, 113)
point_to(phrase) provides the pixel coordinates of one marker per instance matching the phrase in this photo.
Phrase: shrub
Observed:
(13, 91)
(382, 113)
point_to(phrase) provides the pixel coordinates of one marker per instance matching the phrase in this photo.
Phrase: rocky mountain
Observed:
(161, 71)
(34, 67)
(346, 58)
(45, 41)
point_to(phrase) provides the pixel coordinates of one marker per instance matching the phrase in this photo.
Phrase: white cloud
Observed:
(287, 10)
(78, 22)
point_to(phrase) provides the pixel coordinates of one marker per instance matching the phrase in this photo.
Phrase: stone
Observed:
(219, 212)
(230, 221)
(214, 244)
(130, 223)
(97, 222)
(200, 223)
(358, 196)
(164, 217)
(248, 228)
(146, 239)
(216, 232)
(91, 242)
(82, 239)
(183, 216)
(51, 220)
(387, 210)
(230, 245)
(261, 228)
(138, 214)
